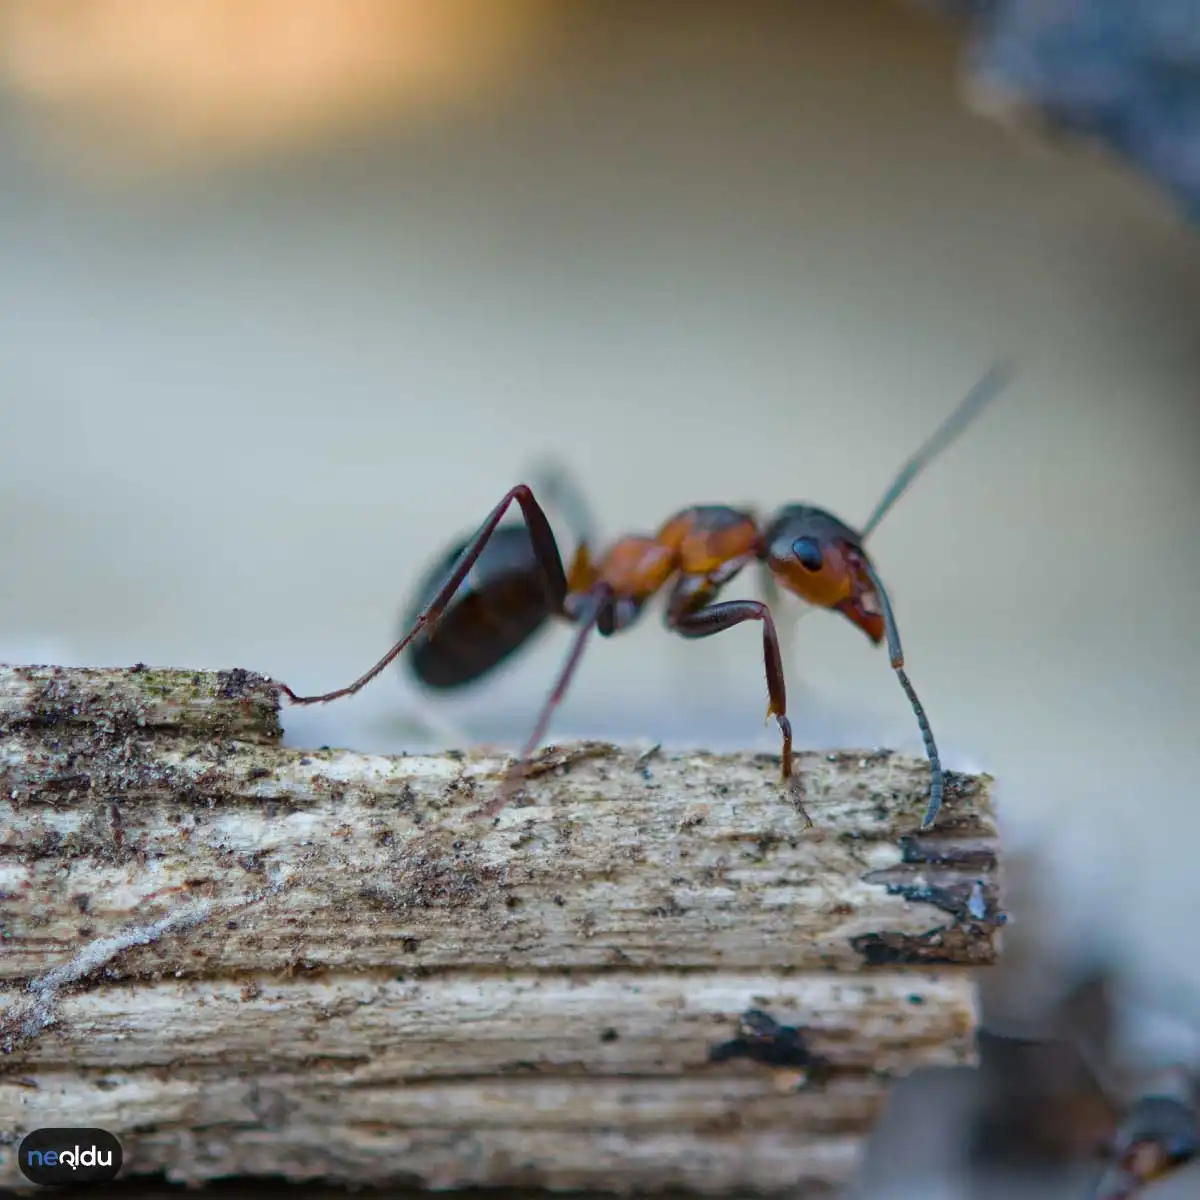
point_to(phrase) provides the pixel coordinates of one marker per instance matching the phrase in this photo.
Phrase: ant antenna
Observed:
(994, 381)
(896, 653)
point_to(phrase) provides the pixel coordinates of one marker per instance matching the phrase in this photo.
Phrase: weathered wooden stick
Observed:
(249, 960)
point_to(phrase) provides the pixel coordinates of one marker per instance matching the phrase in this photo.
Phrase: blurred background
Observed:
(293, 292)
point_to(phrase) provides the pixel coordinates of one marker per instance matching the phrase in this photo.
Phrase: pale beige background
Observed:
(747, 255)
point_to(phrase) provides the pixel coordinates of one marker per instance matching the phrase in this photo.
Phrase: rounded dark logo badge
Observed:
(55, 1156)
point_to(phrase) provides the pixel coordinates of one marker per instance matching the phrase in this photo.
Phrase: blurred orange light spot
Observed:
(187, 80)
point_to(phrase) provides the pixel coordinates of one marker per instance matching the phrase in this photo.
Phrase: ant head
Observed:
(816, 557)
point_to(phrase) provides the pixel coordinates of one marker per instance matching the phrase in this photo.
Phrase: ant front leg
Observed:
(544, 546)
(690, 616)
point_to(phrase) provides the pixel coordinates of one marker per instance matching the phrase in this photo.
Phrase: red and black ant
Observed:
(515, 581)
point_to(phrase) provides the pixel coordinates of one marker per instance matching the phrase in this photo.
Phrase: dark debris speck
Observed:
(762, 1039)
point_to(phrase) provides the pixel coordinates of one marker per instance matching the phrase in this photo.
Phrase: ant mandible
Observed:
(516, 582)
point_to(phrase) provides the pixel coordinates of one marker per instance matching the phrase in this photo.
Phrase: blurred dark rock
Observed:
(1126, 72)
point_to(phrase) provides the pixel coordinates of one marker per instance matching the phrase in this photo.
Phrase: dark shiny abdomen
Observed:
(497, 609)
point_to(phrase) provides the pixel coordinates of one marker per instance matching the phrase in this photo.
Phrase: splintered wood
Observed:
(246, 960)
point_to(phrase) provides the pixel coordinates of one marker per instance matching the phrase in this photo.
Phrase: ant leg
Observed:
(548, 557)
(562, 495)
(587, 617)
(716, 618)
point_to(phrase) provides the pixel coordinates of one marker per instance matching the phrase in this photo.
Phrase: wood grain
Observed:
(248, 959)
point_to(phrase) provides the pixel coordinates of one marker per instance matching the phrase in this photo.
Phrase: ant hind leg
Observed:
(544, 545)
(587, 619)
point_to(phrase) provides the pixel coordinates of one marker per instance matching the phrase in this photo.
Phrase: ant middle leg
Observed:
(544, 546)
(700, 622)
(587, 617)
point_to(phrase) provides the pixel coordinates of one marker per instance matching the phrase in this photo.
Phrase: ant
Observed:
(515, 581)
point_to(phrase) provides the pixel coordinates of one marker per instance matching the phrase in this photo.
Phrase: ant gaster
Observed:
(515, 582)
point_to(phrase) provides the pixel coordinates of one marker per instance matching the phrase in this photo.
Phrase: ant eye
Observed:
(808, 553)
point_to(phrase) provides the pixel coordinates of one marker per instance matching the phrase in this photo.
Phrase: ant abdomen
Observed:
(498, 608)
